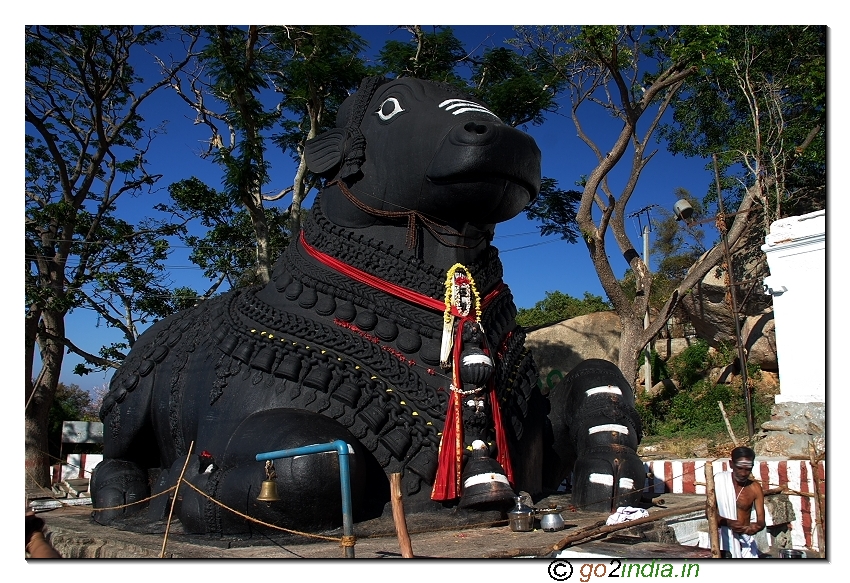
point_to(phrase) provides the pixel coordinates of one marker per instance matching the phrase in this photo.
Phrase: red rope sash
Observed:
(371, 280)
(447, 485)
(391, 288)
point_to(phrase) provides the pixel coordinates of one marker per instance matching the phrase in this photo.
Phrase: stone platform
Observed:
(73, 533)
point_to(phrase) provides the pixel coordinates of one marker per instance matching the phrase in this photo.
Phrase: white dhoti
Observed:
(740, 546)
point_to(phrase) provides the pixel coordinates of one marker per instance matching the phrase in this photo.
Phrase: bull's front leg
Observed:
(129, 445)
(595, 423)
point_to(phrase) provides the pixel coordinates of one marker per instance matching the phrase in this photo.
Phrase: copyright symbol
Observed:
(560, 570)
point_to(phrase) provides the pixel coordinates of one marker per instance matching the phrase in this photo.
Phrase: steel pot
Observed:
(552, 521)
(791, 554)
(521, 518)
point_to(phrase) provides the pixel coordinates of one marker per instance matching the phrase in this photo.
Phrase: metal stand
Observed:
(342, 449)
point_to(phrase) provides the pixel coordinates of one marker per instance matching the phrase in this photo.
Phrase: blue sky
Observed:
(533, 265)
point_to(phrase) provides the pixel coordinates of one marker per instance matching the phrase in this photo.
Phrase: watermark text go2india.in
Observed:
(563, 570)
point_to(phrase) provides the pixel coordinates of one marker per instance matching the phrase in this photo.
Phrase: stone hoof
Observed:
(605, 478)
(118, 489)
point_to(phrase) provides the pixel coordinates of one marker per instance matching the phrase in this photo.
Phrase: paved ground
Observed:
(76, 536)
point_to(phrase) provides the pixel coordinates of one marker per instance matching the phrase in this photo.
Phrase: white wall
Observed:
(796, 255)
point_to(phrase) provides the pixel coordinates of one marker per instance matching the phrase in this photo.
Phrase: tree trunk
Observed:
(261, 229)
(299, 193)
(40, 397)
(31, 321)
(316, 111)
(630, 347)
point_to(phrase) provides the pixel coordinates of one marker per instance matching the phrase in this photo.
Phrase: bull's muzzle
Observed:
(483, 150)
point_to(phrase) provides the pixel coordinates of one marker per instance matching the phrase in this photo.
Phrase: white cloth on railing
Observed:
(626, 514)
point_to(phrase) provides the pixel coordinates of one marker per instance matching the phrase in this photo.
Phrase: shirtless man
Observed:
(737, 494)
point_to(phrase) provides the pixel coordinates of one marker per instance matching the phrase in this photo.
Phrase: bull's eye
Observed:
(389, 109)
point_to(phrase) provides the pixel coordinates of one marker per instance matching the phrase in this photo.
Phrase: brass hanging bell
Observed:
(268, 491)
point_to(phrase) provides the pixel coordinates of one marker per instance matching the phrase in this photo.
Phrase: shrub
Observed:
(692, 364)
(659, 367)
(694, 411)
(557, 307)
(654, 410)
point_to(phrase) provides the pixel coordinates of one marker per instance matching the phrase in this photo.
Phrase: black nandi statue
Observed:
(386, 325)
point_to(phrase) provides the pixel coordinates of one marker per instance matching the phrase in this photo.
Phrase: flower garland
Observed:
(451, 297)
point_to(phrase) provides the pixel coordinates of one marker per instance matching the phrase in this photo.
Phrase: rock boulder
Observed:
(561, 347)
(759, 337)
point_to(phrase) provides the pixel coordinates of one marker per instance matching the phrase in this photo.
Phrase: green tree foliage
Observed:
(85, 148)
(226, 250)
(555, 208)
(557, 306)
(71, 403)
(518, 88)
(233, 68)
(255, 86)
(762, 110)
(321, 66)
(632, 73)
(433, 55)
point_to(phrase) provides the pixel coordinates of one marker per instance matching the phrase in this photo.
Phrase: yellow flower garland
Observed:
(447, 314)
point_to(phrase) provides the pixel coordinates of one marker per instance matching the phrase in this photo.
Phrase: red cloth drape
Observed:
(447, 485)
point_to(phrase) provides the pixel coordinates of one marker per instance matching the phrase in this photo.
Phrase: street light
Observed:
(684, 211)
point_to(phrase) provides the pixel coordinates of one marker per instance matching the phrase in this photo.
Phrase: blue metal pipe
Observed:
(342, 449)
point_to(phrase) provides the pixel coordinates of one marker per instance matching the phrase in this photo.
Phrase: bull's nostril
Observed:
(473, 127)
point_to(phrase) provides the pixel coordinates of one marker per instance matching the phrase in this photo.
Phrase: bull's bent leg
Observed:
(308, 485)
(129, 447)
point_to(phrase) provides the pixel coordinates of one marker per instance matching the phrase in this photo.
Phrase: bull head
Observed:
(409, 144)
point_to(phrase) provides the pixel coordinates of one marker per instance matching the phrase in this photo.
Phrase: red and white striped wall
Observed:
(688, 477)
(78, 465)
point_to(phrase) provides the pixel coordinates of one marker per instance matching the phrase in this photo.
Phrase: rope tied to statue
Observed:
(412, 217)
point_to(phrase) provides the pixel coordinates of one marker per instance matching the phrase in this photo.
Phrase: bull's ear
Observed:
(325, 152)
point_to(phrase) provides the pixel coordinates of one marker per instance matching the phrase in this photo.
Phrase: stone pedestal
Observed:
(791, 430)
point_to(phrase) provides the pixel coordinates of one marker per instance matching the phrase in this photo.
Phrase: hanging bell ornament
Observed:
(484, 481)
(268, 489)
(475, 366)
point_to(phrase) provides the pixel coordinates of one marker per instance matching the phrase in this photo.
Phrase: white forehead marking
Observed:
(462, 106)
